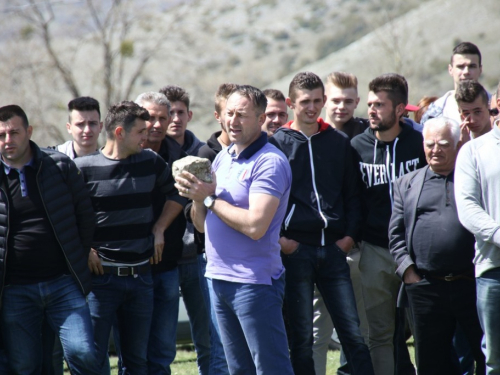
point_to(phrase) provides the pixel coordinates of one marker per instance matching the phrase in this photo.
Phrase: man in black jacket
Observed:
(387, 150)
(322, 223)
(46, 229)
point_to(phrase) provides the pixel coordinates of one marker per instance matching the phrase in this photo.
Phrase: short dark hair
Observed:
(304, 81)
(124, 114)
(83, 103)
(274, 94)
(9, 111)
(223, 92)
(394, 85)
(176, 94)
(253, 94)
(469, 90)
(466, 48)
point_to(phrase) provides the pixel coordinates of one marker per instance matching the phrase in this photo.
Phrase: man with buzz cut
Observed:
(473, 105)
(387, 150)
(84, 125)
(322, 224)
(162, 338)
(46, 227)
(122, 178)
(465, 63)
(243, 209)
(276, 114)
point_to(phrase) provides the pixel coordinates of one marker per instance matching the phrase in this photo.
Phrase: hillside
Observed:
(202, 43)
(418, 45)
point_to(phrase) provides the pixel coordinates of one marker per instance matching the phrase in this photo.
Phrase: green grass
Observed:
(185, 361)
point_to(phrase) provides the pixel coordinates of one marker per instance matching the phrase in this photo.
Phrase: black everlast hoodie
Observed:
(380, 164)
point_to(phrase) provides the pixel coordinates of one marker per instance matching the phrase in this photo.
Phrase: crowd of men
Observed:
(307, 225)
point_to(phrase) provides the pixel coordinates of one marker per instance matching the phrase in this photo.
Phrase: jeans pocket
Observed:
(101, 280)
(422, 281)
(340, 250)
(146, 279)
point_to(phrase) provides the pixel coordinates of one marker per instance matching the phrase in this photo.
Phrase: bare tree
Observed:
(118, 28)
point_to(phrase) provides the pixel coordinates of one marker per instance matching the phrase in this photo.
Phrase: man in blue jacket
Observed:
(322, 223)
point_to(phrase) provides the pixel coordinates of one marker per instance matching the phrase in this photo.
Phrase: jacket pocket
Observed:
(289, 216)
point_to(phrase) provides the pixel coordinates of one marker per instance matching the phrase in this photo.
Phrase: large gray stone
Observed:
(200, 167)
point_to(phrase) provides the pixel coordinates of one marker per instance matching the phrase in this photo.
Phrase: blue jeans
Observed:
(162, 338)
(61, 302)
(198, 315)
(488, 306)
(129, 300)
(218, 364)
(251, 325)
(328, 269)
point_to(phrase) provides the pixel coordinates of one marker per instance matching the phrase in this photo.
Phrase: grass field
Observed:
(185, 361)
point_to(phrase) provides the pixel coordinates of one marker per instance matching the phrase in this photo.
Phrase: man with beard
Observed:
(387, 150)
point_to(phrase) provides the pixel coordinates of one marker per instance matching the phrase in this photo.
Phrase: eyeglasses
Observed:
(494, 112)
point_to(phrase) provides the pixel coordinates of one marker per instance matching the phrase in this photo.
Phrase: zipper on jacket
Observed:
(6, 245)
(55, 233)
(289, 216)
(313, 175)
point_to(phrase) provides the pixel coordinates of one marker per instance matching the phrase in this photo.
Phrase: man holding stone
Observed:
(244, 210)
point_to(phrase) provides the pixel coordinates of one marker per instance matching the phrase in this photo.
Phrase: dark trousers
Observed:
(437, 307)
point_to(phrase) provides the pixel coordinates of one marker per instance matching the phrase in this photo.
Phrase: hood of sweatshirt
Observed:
(213, 143)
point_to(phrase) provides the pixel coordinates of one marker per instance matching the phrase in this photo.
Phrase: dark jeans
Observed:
(128, 300)
(327, 268)
(438, 306)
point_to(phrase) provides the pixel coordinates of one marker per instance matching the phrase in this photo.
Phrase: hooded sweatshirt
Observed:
(380, 164)
(324, 204)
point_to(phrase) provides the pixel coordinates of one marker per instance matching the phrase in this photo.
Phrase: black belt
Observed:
(127, 270)
(469, 275)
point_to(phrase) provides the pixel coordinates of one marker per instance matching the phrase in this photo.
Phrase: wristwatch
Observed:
(209, 201)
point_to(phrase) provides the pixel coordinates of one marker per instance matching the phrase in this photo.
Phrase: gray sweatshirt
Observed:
(477, 193)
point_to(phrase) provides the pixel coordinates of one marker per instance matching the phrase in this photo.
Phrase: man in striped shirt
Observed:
(121, 177)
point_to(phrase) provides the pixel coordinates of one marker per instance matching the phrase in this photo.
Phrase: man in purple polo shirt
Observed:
(241, 215)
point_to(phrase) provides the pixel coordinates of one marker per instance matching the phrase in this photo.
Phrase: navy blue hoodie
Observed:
(380, 164)
(324, 204)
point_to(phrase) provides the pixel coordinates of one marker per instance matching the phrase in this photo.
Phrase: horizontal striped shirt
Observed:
(121, 194)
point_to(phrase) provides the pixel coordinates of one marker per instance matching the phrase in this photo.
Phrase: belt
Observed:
(127, 271)
(451, 277)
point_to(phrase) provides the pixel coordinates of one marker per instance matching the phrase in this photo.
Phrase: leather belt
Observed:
(127, 270)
